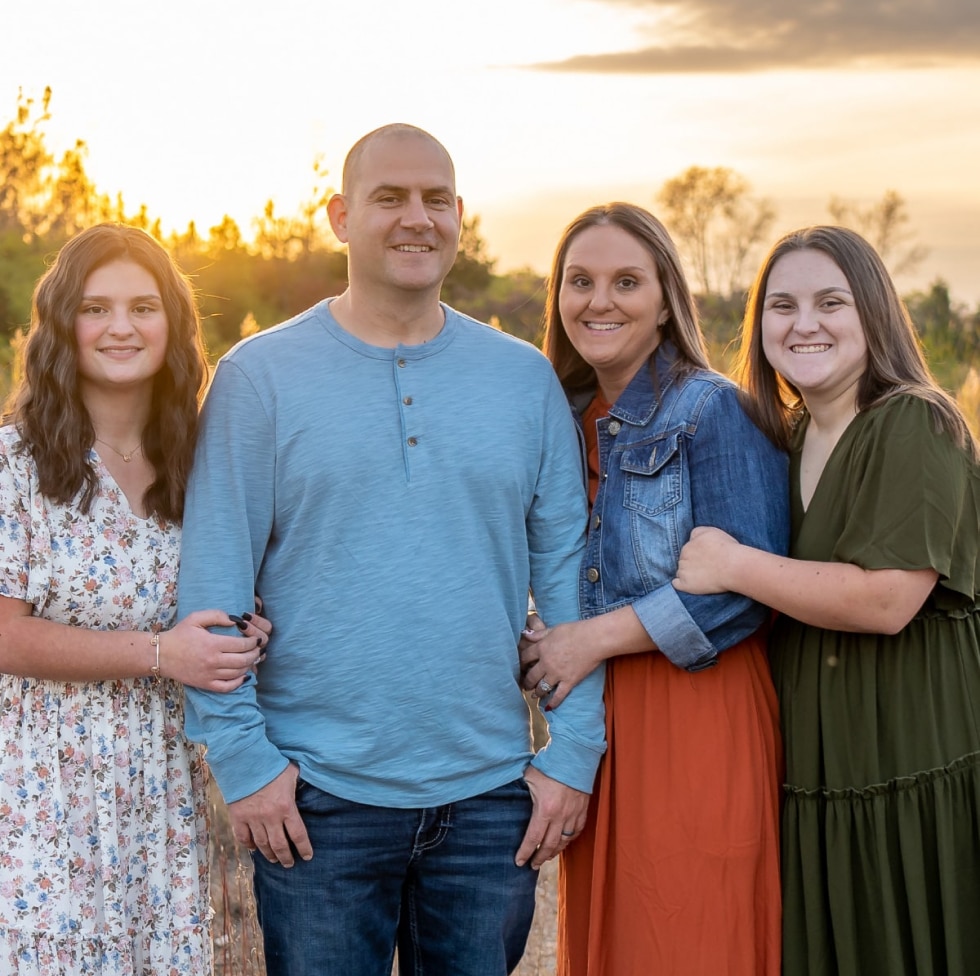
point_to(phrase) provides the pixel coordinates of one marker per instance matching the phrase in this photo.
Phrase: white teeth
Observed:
(413, 248)
(816, 347)
(603, 326)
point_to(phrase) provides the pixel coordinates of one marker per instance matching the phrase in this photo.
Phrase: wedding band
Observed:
(544, 687)
(568, 833)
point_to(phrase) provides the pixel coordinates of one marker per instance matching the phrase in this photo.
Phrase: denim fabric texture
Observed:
(440, 882)
(678, 451)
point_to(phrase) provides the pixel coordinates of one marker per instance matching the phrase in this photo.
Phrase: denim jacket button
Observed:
(592, 574)
(596, 522)
(614, 427)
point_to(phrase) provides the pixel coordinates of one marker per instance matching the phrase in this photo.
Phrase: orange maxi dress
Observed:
(677, 870)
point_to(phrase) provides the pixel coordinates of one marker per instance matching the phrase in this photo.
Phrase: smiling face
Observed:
(611, 304)
(121, 328)
(399, 215)
(811, 331)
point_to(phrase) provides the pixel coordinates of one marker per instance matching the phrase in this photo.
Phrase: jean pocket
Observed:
(654, 475)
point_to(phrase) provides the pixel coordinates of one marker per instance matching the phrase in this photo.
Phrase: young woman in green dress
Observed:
(876, 646)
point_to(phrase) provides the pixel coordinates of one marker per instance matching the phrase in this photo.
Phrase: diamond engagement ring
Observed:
(545, 688)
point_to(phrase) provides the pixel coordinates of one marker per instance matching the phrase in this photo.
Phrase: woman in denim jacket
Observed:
(676, 870)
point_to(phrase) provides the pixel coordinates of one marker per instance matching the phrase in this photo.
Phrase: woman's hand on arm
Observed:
(191, 654)
(701, 566)
(563, 655)
(35, 648)
(835, 596)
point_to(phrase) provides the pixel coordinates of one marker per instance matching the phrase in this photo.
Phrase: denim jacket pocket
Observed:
(653, 473)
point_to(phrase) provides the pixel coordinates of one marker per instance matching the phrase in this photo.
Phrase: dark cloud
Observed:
(760, 35)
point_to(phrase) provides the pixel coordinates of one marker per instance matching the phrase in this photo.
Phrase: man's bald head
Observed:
(392, 131)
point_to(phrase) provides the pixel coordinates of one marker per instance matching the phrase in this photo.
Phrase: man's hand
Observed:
(557, 818)
(268, 820)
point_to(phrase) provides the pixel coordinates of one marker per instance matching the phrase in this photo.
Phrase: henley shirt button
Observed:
(401, 363)
(407, 401)
(592, 574)
(412, 441)
(614, 427)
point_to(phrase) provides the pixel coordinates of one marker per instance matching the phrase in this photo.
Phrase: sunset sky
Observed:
(199, 108)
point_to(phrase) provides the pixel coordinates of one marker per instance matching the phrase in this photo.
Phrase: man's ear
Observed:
(337, 212)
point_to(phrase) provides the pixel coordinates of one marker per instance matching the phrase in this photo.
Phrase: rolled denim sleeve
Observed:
(739, 483)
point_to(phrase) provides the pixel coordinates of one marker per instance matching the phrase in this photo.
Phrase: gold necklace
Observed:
(127, 457)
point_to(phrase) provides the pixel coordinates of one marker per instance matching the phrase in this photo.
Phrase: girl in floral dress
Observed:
(103, 832)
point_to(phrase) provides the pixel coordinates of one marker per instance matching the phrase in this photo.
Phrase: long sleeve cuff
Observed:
(673, 630)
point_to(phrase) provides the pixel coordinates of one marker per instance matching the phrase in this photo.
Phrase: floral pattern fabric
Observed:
(103, 830)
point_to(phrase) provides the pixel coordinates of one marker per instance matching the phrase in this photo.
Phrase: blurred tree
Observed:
(721, 319)
(950, 335)
(513, 302)
(716, 224)
(304, 233)
(885, 226)
(968, 398)
(226, 236)
(24, 160)
(473, 270)
(39, 196)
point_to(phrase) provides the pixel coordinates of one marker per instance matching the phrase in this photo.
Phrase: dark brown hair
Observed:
(681, 326)
(55, 427)
(895, 361)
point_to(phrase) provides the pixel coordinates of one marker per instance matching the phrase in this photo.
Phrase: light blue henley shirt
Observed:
(392, 506)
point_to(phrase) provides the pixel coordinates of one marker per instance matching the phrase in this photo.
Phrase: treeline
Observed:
(288, 262)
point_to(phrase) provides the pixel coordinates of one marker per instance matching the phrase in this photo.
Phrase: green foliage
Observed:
(950, 334)
(513, 303)
(473, 271)
(720, 319)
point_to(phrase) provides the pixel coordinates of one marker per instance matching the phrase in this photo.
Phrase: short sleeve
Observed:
(24, 538)
(913, 499)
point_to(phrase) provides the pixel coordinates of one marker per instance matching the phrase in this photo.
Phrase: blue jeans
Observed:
(440, 882)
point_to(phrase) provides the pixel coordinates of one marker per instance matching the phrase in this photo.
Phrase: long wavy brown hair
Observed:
(47, 408)
(896, 364)
(681, 326)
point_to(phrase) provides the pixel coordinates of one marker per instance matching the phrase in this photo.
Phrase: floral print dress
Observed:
(103, 831)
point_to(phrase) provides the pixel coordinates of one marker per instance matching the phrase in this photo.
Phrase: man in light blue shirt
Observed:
(392, 477)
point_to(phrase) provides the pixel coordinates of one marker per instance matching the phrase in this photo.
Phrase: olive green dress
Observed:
(881, 819)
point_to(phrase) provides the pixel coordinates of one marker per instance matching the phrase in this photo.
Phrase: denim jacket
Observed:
(668, 463)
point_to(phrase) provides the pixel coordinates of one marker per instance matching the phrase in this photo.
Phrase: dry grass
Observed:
(237, 940)
(238, 943)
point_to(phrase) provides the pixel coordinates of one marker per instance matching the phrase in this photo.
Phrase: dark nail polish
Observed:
(239, 623)
(260, 642)
(246, 616)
